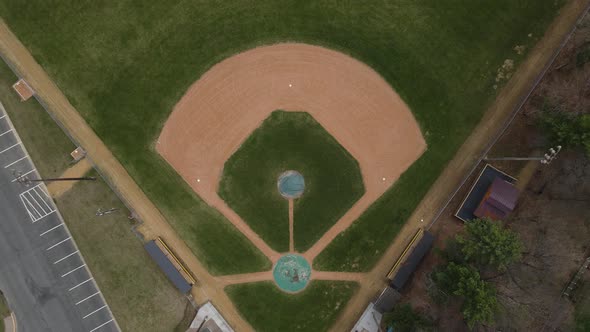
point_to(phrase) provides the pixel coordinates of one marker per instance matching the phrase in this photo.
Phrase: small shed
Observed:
(369, 321)
(78, 154)
(477, 193)
(411, 263)
(208, 319)
(23, 90)
(499, 200)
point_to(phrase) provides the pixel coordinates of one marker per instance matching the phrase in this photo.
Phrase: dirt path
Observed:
(291, 222)
(56, 189)
(491, 125)
(244, 278)
(348, 98)
(21, 61)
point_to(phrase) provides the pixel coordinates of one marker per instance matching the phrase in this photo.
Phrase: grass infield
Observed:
(315, 308)
(124, 64)
(291, 141)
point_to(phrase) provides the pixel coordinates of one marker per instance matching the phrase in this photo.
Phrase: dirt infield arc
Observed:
(349, 99)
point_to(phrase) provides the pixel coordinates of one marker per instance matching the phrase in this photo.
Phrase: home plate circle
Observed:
(292, 273)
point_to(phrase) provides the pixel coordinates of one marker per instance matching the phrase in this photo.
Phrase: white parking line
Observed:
(8, 148)
(61, 259)
(16, 161)
(80, 284)
(29, 204)
(41, 198)
(6, 132)
(37, 203)
(23, 175)
(95, 311)
(49, 230)
(93, 295)
(2, 117)
(76, 269)
(101, 325)
(60, 242)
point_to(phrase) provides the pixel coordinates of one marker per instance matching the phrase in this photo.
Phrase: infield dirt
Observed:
(349, 99)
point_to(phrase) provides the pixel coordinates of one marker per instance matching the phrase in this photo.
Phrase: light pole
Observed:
(547, 158)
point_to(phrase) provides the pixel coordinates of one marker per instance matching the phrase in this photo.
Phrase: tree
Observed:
(567, 130)
(487, 243)
(404, 319)
(479, 297)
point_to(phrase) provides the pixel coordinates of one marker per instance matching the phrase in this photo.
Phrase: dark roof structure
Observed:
(499, 200)
(479, 190)
(167, 267)
(409, 266)
(387, 300)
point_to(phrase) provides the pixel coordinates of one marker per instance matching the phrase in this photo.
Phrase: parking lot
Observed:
(45, 277)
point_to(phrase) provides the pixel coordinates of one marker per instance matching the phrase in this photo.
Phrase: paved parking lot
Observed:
(43, 275)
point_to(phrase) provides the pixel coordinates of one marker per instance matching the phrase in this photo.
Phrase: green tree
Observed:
(404, 319)
(487, 243)
(479, 297)
(567, 130)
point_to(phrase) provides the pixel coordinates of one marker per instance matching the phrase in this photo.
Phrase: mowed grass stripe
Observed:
(124, 64)
(315, 308)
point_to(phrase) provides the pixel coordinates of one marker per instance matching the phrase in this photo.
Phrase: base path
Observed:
(348, 98)
(25, 66)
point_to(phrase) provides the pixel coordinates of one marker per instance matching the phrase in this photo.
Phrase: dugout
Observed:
(170, 265)
(409, 265)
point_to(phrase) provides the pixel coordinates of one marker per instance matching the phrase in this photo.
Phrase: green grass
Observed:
(138, 293)
(124, 64)
(267, 308)
(291, 141)
(45, 140)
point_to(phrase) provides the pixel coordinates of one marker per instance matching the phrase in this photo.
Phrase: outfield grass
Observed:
(45, 140)
(267, 308)
(124, 64)
(291, 141)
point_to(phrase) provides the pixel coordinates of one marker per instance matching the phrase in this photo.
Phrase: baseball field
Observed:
(206, 104)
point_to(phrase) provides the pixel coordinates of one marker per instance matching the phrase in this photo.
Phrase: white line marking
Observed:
(31, 205)
(44, 216)
(101, 325)
(37, 203)
(6, 132)
(95, 311)
(61, 259)
(14, 162)
(49, 230)
(76, 269)
(8, 148)
(60, 242)
(42, 199)
(93, 295)
(23, 175)
(80, 284)
(2, 117)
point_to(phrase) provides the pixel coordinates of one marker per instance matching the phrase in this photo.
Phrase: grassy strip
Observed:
(131, 283)
(140, 296)
(4, 310)
(44, 140)
(291, 141)
(124, 65)
(269, 309)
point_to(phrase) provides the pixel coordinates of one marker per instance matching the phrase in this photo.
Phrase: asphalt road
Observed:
(42, 274)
